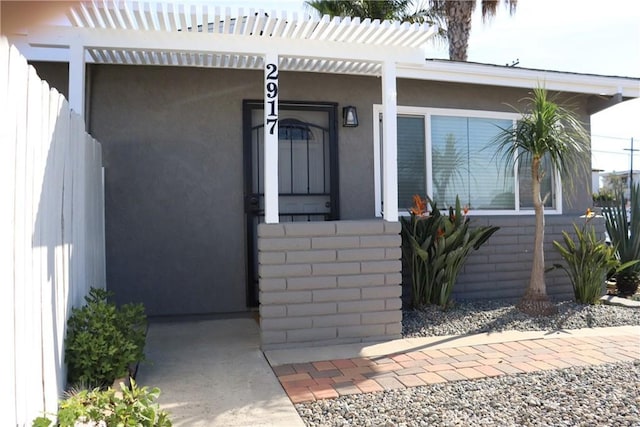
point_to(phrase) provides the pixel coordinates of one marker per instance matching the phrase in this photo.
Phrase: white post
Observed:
(271, 209)
(76, 78)
(390, 142)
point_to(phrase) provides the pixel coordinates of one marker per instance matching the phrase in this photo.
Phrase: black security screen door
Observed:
(307, 170)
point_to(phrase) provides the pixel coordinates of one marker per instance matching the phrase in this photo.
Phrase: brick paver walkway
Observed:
(304, 382)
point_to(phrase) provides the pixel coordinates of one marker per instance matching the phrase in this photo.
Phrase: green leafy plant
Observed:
(133, 406)
(588, 261)
(103, 342)
(625, 237)
(436, 247)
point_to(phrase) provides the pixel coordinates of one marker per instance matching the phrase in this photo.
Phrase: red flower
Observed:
(419, 207)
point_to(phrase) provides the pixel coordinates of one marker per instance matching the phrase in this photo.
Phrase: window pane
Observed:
(465, 164)
(411, 160)
(491, 185)
(450, 159)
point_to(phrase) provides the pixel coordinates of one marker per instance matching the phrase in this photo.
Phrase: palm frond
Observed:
(550, 130)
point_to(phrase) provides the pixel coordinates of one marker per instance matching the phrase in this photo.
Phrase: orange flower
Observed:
(465, 210)
(419, 206)
(589, 213)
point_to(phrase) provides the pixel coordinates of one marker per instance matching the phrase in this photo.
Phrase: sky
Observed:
(582, 36)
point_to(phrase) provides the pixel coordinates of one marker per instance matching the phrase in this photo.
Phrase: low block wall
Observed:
(501, 268)
(329, 282)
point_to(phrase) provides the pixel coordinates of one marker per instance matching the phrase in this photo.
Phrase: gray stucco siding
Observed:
(174, 201)
(173, 158)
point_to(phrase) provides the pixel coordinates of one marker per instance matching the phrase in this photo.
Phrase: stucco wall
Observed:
(174, 177)
(174, 202)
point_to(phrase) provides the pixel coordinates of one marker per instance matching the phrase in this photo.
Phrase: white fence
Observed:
(51, 235)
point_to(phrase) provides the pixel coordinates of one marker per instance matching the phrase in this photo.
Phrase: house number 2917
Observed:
(271, 91)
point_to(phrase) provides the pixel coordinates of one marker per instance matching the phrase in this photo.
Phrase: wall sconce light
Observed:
(350, 117)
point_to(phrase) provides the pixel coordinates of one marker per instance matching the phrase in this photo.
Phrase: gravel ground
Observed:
(605, 395)
(493, 316)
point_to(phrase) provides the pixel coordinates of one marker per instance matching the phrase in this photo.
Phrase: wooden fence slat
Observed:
(33, 249)
(7, 230)
(49, 222)
(62, 306)
(18, 97)
(51, 234)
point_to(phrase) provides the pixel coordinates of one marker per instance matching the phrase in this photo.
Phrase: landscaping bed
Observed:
(469, 317)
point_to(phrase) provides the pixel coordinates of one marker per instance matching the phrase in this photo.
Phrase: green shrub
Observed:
(587, 263)
(436, 246)
(131, 407)
(103, 341)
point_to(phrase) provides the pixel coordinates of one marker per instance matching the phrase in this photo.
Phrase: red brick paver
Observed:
(304, 382)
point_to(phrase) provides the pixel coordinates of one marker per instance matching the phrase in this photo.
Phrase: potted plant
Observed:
(622, 224)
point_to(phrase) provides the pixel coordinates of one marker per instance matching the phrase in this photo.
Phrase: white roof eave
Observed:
(494, 75)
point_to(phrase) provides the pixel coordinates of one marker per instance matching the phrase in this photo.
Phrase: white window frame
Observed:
(427, 112)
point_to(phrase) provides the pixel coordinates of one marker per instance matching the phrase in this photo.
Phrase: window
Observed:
(448, 153)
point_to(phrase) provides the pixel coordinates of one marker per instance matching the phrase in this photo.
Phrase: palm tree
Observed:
(395, 10)
(384, 10)
(553, 133)
(455, 15)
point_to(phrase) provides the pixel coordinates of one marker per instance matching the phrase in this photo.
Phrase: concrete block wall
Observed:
(501, 268)
(329, 282)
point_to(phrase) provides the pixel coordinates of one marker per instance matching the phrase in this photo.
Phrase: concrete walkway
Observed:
(328, 372)
(212, 373)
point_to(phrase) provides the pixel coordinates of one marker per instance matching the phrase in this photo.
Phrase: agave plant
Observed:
(623, 229)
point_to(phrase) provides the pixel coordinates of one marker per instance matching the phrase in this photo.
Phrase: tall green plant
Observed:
(552, 132)
(588, 261)
(624, 232)
(436, 247)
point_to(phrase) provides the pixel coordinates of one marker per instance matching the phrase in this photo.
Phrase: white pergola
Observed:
(201, 35)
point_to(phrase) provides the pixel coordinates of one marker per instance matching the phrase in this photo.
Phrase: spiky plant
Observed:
(625, 237)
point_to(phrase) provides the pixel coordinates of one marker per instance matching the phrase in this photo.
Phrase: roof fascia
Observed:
(457, 72)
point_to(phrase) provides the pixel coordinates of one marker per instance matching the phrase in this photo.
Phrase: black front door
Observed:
(307, 170)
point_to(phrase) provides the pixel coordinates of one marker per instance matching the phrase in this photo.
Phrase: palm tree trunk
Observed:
(535, 300)
(458, 15)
